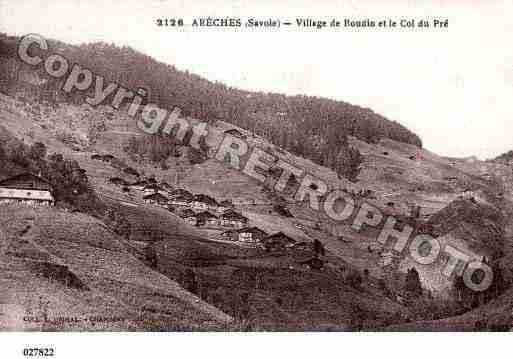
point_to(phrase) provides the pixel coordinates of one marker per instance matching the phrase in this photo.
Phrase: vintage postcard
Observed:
(234, 166)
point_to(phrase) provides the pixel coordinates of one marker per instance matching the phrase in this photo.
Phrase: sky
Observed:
(452, 86)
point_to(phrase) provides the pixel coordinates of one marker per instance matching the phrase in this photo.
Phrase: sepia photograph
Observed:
(248, 171)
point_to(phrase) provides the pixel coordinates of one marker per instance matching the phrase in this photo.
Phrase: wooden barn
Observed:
(26, 189)
(182, 193)
(189, 216)
(233, 219)
(152, 188)
(203, 202)
(251, 235)
(207, 218)
(156, 199)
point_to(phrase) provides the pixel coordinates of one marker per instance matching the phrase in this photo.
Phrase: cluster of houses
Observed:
(202, 210)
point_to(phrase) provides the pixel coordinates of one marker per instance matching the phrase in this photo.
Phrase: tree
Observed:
(19, 156)
(412, 284)
(318, 248)
(355, 280)
(189, 281)
(3, 155)
(37, 151)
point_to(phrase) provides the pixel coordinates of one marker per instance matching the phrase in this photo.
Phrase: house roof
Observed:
(181, 192)
(205, 215)
(155, 197)
(24, 194)
(26, 181)
(205, 199)
(153, 187)
(181, 199)
(253, 230)
(231, 214)
(187, 213)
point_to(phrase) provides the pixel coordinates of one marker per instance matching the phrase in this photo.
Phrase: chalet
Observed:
(203, 202)
(278, 241)
(152, 188)
(230, 235)
(251, 235)
(180, 201)
(139, 185)
(26, 189)
(180, 192)
(97, 157)
(233, 219)
(224, 206)
(207, 218)
(156, 199)
(236, 133)
(189, 217)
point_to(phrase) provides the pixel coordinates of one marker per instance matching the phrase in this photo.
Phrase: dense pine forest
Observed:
(312, 127)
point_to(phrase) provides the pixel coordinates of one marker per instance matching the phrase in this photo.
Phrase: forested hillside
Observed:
(505, 158)
(311, 127)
